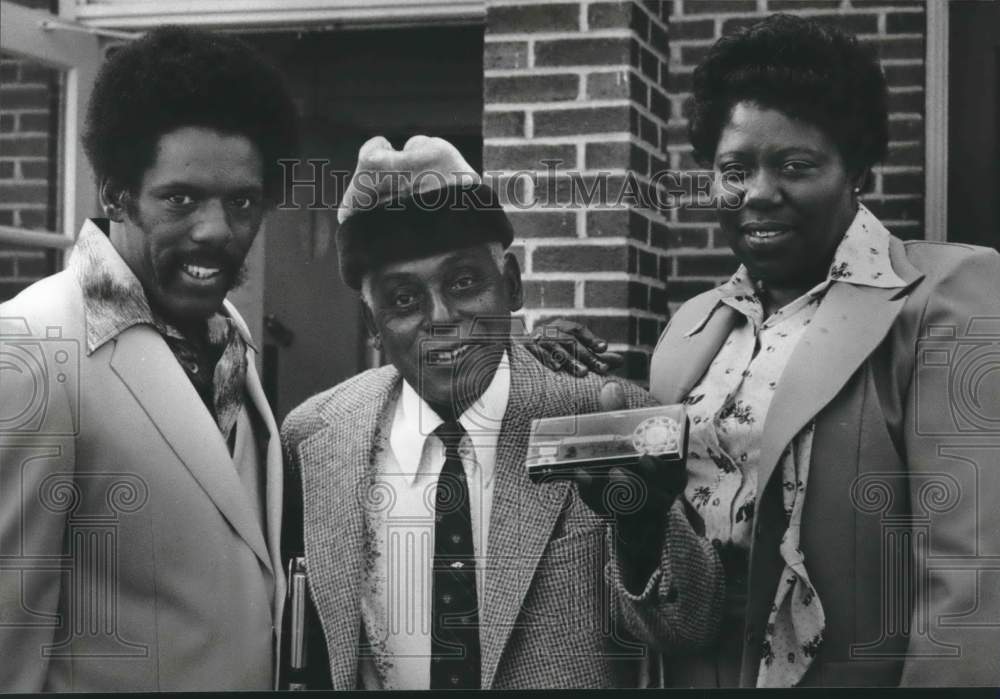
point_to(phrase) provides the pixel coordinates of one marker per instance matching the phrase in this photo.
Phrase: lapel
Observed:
(848, 326)
(680, 361)
(524, 513)
(337, 474)
(144, 363)
(273, 482)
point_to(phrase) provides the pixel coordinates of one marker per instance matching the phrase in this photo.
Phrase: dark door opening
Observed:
(351, 86)
(974, 123)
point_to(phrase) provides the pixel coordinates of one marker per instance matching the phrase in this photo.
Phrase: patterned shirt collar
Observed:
(861, 258)
(113, 297)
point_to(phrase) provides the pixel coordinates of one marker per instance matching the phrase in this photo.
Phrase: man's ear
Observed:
(512, 280)
(113, 200)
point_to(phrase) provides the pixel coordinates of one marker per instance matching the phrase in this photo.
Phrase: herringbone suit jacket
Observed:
(555, 612)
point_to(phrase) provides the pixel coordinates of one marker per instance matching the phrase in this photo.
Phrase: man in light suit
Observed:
(434, 562)
(140, 465)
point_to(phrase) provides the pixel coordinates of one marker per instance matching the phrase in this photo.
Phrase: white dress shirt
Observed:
(396, 593)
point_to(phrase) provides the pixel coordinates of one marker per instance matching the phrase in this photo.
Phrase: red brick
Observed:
(582, 52)
(617, 222)
(669, 237)
(660, 105)
(659, 40)
(638, 90)
(786, 5)
(705, 265)
(502, 124)
(681, 29)
(896, 48)
(7, 123)
(906, 129)
(907, 101)
(565, 122)
(545, 294)
(607, 155)
(908, 209)
(23, 193)
(37, 74)
(693, 215)
(6, 169)
(35, 169)
(683, 289)
(640, 24)
(532, 18)
(614, 85)
(905, 23)
(529, 157)
(866, 4)
(658, 301)
(505, 55)
(36, 219)
(26, 146)
(712, 7)
(609, 15)
(6, 264)
(531, 88)
(9, 72)
(615, 294)
(649, 332)
(906, 155)
(6, 218)
(580, 258)
(17, 97)
(648, 264)
(543, 224)
(35, 121)
(649, 64)
(34, 264)
(902, 183)
(693, 55)
(853, 24)
(905, 76)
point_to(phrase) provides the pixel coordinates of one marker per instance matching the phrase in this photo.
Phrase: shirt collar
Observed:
(113, 297)
(861, 258)
(415, 421)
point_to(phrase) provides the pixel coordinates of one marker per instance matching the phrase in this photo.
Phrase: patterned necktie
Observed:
(455, 606)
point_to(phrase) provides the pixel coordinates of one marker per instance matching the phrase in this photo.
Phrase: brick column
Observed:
(583, 83)
(896, 29)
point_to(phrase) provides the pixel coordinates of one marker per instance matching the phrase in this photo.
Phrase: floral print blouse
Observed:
(728, 409)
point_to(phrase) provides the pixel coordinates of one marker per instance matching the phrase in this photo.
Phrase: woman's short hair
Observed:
(806, 70)
(175, 77)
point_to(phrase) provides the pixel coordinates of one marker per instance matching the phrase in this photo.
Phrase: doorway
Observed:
(974, 118)
(351, 86)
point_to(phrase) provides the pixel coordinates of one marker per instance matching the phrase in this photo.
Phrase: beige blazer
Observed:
(904, 477)
(131, 557)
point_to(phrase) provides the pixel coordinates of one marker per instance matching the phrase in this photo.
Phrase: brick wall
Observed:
(29, 127)
(896, 28)
(582, 83)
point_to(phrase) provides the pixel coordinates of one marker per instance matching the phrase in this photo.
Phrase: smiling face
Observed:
(444, 320)
(796, 195)
(187, 230)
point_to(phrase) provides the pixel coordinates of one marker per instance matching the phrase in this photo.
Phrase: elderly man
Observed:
(434, 561)
(140, 465)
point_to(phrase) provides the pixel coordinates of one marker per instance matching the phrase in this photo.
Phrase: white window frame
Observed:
(936, 122)
(42, 37)
(258, 14)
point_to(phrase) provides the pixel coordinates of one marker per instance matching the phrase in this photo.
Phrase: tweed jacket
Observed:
(904, 476)
(131, 556)
(555, 612)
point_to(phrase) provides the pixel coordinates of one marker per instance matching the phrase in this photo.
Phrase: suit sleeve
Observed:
(953, 458)
(680, 605)
(37, 491)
